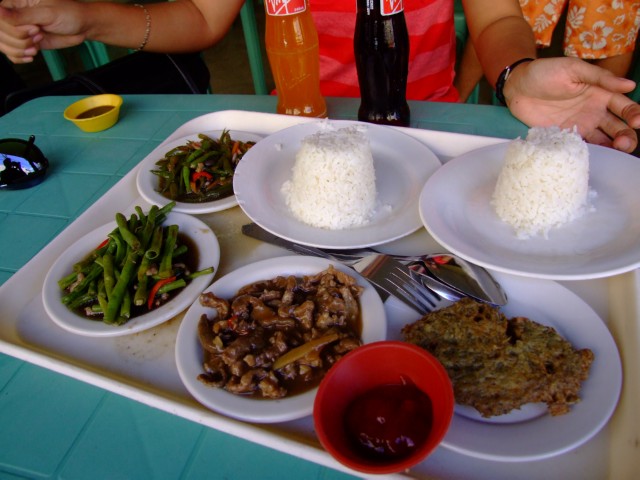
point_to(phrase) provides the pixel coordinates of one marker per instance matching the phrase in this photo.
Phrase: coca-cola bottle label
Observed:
(391, 7)
(280, 8)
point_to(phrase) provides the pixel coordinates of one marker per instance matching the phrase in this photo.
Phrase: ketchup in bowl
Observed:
(389, 421)
(383, 407)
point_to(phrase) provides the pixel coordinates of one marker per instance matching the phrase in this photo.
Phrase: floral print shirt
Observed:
(594, 29)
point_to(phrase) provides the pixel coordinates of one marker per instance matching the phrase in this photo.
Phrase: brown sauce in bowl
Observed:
(95, 112)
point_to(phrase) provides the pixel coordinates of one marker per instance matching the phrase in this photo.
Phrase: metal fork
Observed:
(396, 279)
(414, 291)
(388, 275)
(378, 269)
(370, 264)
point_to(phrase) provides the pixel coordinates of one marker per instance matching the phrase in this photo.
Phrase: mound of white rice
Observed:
(333, 183)
(544, 182)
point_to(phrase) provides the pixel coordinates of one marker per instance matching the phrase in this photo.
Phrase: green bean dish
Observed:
(140, 266)
(201, 170)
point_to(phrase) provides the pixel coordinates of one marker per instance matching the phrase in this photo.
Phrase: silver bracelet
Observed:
(147, 30)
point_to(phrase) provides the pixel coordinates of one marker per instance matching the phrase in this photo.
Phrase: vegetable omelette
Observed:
(498, 364)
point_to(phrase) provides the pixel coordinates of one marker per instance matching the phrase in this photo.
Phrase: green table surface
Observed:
(54, 426)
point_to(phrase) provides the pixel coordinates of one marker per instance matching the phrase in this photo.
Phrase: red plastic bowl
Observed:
(370, 366)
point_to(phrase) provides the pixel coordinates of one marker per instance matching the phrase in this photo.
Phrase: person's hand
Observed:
(27, 26)
(19, 42)
(570, 92)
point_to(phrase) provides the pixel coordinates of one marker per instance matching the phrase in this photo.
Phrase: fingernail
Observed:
(30, 52)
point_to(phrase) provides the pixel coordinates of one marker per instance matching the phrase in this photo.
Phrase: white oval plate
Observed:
(530, 433)
(402, 164)
(189, 355)
(208, 255)
(455, 208)
(147, 182)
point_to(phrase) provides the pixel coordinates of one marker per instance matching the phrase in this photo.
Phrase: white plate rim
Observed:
(146, 182)
(209, 255)
(188, 352)
(578, 323)
(268, 209)
(486, 161)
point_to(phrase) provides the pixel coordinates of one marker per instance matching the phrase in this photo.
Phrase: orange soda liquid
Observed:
(292, 48)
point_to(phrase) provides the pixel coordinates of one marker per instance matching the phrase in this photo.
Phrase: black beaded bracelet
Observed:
(504, 75)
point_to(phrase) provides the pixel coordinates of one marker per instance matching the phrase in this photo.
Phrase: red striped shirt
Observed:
(432, 48)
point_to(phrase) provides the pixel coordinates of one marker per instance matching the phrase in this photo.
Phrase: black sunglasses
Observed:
(22, 163)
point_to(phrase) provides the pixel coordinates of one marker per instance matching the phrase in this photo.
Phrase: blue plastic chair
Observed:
(461, 27)
(253, 42)
(93, 54)
(634, 75)
(462, 36)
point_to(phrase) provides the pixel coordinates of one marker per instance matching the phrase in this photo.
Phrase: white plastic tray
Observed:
(145, 370)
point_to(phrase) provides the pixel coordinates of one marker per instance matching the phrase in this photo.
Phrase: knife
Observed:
(457, 279)
(254, 231)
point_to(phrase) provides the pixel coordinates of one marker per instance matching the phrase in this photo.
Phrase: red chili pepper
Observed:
(236, 148)
(155, 289)
(198, 175)
(442, 259)
(232, 324)
(104, 242)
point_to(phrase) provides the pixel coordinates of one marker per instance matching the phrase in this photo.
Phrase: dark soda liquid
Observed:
(381, 46)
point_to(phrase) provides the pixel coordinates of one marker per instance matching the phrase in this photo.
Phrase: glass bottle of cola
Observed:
(381, 47)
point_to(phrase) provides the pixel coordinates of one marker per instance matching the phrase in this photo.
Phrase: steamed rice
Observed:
(544, 182)
(333, 183)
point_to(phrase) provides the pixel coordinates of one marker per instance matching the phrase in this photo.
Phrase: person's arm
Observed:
(178, 26)
(561, 91)
(500, 34)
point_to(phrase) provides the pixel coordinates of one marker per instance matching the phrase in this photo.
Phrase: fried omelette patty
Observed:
(498, 364)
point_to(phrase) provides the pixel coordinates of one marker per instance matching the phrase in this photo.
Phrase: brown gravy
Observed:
(95, 112)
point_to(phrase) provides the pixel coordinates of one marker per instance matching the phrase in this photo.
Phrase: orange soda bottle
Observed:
(292, 47)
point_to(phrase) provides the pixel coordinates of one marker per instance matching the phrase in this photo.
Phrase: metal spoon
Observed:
(448, 275)
(441, 289)
(463, 277)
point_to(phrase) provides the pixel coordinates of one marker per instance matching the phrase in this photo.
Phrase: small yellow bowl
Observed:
(95, 113)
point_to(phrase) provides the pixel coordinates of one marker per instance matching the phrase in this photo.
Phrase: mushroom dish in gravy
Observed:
(279, 337)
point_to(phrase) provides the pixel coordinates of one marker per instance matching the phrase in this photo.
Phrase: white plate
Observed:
(402, 164)
(530, 433)
(189, 356)
(147, 182)
(455, 208)
(208, 255)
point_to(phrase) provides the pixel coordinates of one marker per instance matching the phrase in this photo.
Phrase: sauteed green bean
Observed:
(132, 271)
(202, 170)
